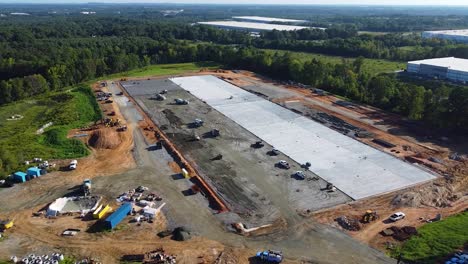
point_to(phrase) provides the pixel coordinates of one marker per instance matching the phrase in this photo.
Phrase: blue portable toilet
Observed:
(114, 219)
(19, 176)
(34, 172)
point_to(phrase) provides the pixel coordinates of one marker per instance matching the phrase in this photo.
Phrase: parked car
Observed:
(397, 216)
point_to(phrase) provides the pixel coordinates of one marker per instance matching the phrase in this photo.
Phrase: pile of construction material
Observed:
(105, 139)
(137, 195)
(400, 233)
(157, 256)
(102, 96)
(55, 258)
(349, 223)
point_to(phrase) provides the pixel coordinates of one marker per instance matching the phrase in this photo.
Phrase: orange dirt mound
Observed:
(105, 138)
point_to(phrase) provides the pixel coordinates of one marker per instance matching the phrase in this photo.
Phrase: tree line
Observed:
(37, 58)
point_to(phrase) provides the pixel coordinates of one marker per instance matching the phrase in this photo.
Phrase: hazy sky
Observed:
(358, 2)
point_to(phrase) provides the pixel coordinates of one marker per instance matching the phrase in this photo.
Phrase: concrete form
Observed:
(451, 68)
(459, 35)
(258, 19)
(249, 26)
(355, 168)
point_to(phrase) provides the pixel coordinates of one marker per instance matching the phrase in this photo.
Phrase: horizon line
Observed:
(235, 4)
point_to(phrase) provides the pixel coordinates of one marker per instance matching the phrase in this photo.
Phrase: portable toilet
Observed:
(19, 176)
(34, 172)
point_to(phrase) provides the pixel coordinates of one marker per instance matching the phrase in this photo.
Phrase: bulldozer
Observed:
(369, 216)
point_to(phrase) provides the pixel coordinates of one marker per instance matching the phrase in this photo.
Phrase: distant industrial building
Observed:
(258, 19)
(460, 35)
(249, 26)
(450, 68)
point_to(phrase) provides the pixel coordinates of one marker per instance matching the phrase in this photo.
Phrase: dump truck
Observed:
(86, 187)
(270, 256)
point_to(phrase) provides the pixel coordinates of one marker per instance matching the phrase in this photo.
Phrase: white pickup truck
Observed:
(73, 164)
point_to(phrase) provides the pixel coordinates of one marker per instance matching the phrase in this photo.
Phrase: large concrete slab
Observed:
(357, 169)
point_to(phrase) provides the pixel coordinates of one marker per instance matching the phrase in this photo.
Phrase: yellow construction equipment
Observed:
(369, 216)
(100, 214)
(7, 224)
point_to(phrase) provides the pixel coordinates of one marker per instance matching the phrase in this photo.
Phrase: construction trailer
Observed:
(114, 219)
(34, 172)
(20, 176)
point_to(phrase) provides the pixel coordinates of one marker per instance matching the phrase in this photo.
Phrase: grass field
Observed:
(166, 69)
(437, 240)
(372, 66)
(74, 108)
(67, 110)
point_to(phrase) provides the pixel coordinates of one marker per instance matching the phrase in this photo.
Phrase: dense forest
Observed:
(49, 53)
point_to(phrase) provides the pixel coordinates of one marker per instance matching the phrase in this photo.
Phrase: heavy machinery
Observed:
(369, 216)
(6, 224)
(273, 152)
(330, 187)
(86, 187)
(270, 256)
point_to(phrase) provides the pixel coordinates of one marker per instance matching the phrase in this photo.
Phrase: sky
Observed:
(329, 2)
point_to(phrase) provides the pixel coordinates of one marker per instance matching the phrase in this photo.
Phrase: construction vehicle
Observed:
(179, 101)
(6, 224)
(111, 113)
(86, 187)
(283, 164)
(330, 187)
(270, 256)
(369, 216)
(163, 92)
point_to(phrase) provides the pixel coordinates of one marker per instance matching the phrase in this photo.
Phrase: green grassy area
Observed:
(67, 110)
(73, 108)
(436, 240)
(372, 66)
(165, 69)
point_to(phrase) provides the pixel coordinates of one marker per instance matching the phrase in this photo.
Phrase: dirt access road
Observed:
(305, 239)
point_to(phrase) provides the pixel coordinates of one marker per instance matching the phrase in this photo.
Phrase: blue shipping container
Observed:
(114, 219)
(34, 172)
(20, 176)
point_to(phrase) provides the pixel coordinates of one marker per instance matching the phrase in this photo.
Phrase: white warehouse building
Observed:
(258, 19)
(450, 68)
(460, 35)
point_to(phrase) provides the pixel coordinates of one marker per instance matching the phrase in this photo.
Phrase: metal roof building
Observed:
(450, 68)
(258, 19)
(460, 35)
(355, 168)
(249, 26)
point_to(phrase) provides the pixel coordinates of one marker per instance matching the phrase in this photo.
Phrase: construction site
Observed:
(213, 166)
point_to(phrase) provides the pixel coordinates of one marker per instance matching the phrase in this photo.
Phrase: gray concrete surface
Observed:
(355, 168)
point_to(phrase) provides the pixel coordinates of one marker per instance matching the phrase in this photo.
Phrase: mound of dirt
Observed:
(432, 195)
(105, 138)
